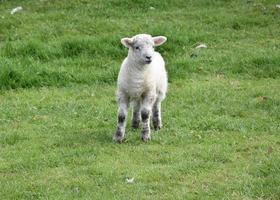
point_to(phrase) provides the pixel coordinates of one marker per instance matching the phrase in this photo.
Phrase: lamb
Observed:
(142, 81)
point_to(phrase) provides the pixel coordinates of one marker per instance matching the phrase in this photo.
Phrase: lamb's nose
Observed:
(149, 57)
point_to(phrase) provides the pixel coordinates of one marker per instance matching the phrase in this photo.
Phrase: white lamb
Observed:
(142, 80)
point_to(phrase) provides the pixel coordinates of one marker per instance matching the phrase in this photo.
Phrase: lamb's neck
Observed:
(136, 67)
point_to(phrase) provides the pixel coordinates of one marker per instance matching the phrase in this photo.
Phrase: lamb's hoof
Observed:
(145, 137)
(135, 124)
(118, 137)
(157, 124)
(157, 127)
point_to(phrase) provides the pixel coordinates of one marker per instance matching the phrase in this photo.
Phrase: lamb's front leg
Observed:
(145, 116)
(136, 114)
(123, 102)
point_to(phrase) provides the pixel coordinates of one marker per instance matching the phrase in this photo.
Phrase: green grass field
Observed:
(59, 62)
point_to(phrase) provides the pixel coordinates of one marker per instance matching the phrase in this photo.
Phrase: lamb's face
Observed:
(141, 47)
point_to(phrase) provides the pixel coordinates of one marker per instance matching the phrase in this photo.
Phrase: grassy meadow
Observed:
(59, 61)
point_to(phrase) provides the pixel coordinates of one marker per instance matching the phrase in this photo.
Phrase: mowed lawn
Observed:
(59, 62)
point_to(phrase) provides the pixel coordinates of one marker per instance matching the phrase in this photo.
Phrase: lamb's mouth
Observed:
(148, 61)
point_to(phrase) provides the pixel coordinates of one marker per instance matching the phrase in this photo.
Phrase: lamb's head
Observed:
(141, 47)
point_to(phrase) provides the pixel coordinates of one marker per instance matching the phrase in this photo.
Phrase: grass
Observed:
(58, 66)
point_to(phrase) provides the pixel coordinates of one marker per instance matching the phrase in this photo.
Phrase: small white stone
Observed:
(130, 180)
(17, 9)
(278, 6)
(201, 46)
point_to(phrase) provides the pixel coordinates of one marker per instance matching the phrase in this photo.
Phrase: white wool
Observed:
(135, 81)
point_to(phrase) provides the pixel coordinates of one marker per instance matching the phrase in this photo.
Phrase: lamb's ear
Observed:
(159, 40)
(127, 42)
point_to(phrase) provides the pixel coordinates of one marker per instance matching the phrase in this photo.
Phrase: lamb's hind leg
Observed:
(123, 102)
(136, 114)
(157, 115)
(145, 116)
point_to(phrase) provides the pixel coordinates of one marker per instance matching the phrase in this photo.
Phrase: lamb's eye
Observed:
(137, 47)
